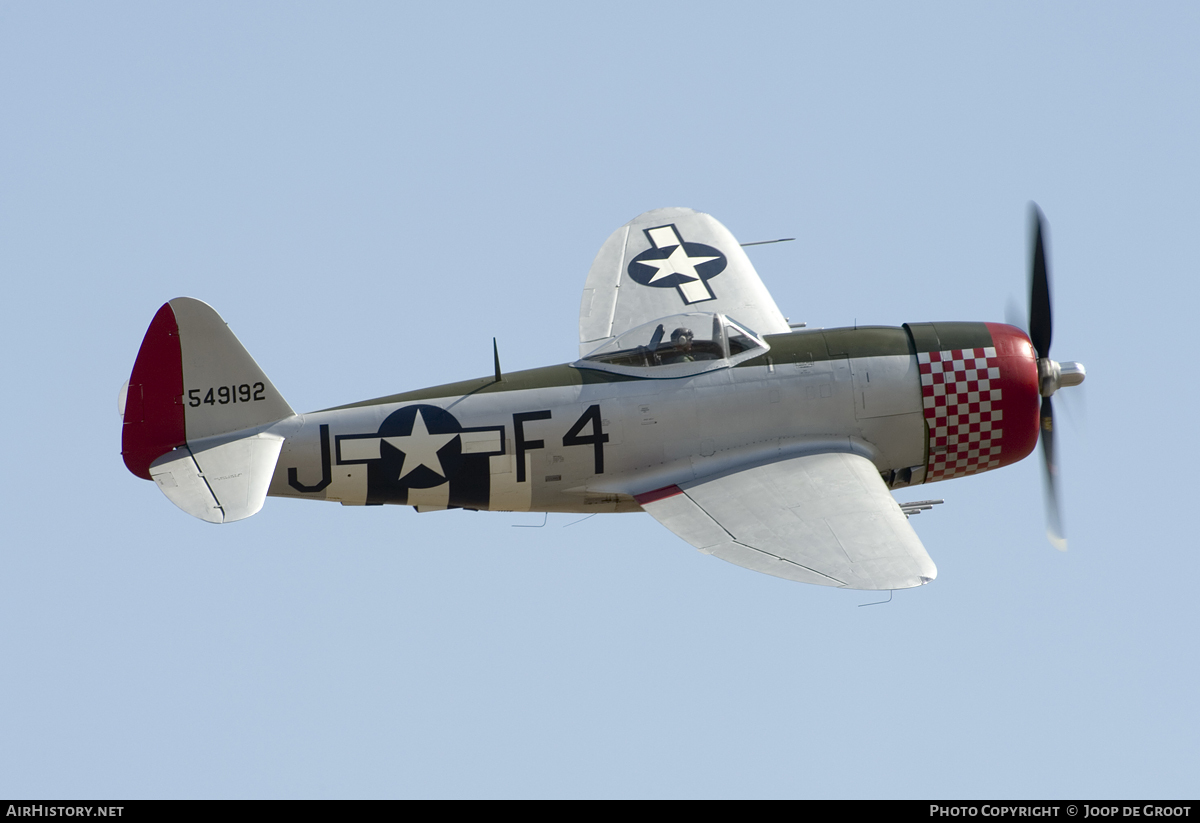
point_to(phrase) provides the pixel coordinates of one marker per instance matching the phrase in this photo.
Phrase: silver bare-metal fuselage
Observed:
(572, 439)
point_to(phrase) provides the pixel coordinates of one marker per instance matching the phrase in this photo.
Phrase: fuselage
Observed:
(924, 402)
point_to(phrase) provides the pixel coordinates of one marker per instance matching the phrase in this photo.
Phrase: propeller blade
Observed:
(1054, 529)
(1040, 326)
(1014, 315)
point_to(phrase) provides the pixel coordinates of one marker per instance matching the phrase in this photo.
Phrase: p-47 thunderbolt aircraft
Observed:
(769, 447)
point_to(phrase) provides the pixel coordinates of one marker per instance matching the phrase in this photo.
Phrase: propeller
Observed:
(1051, 374)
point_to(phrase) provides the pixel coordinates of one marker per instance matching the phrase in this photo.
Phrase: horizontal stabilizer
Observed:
(220, 483)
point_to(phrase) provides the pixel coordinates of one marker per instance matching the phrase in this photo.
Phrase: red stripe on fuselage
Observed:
(657, 494)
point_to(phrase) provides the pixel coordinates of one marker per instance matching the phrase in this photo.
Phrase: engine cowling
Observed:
(981, 394)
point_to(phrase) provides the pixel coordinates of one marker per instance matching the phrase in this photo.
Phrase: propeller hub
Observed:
(1053, 375)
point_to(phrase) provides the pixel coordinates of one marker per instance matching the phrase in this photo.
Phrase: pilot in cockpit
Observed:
(681, 342)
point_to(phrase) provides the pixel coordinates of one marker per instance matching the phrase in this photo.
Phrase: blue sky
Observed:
(368, 193)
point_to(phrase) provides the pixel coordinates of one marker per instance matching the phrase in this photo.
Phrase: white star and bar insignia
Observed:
(679, 267)
(420, 448)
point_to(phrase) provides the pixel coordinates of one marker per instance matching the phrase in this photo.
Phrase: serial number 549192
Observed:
(223, 395)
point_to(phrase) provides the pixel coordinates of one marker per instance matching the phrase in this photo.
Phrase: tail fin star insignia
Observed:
(670, 262)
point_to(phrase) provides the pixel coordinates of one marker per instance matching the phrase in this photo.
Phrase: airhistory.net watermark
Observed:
(40, 810)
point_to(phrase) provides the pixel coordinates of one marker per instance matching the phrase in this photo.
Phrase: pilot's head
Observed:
(681, 338)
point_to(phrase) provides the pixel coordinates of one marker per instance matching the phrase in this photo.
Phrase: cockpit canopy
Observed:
(677, 346)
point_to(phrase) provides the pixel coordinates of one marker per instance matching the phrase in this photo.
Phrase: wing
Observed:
(826, 519)
(669, 261)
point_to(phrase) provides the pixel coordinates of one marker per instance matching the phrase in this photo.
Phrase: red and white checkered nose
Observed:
(981, 404)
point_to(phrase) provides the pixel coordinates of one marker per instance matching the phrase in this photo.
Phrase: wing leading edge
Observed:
(826, 519)
(669, 261)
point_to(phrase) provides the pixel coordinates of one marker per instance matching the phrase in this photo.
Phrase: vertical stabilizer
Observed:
(196, 408)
